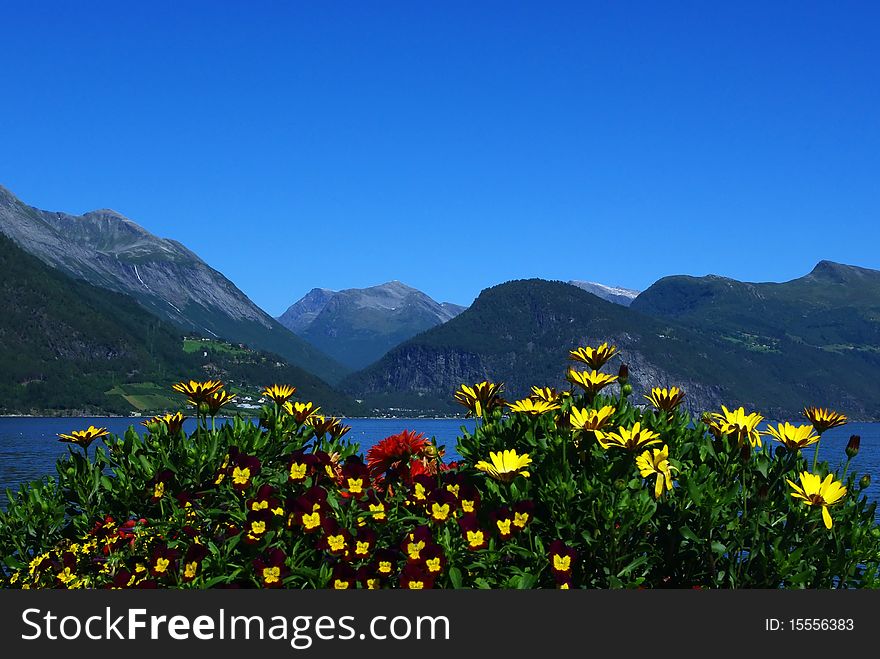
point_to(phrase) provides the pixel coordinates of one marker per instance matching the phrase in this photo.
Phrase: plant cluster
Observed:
(581, 488)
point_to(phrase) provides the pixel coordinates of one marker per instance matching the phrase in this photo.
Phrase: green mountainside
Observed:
(520, 332)
(66, 345)
(835, 308)
(108, 250)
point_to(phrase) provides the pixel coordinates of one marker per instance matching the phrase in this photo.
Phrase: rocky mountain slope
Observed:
(615, 294)
(110, 251)
(357, 326)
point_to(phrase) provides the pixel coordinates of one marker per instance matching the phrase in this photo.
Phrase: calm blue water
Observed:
(29, 446)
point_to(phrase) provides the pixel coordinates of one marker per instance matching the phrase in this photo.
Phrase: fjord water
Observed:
(29, 446)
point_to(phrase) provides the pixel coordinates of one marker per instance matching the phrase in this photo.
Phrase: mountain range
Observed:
(357, 326)
(110, 251)
(519, 333)
(68, 346)
(100, 315)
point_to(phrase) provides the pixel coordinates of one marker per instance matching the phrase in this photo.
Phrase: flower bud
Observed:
(626, 389)
(865, 481)
(852, 448)
(620, 485)
(763, 492)
(780, 452)
(623, 374)
(745, 453)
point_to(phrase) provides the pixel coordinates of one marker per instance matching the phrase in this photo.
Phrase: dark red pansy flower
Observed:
(163, 561)
(257, 524)
(415, 577)
(265, 499)
(299, 466)
(160, 484)
(468, 499)
(377, 508)
(355, 477)
(433, 561)
(122, 579)
(271, 569)
(385, 562)
(502, 522)
(242, 468)
(562, 559)
(363, 543)
(344, 577)
(192, 561)
(474, 536)
(422, 487)
(522, 514)
(440, 506)
(335, 539)
(416, 541)
(368, 579)
(454, 483)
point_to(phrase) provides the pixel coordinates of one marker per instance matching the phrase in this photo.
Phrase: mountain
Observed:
(110, 251)
(520, 332)
(357, 326)
(69, 347)
(63, 342)
(615, 294)
(834, 308)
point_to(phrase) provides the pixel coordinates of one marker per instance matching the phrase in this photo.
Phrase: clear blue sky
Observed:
(456, 145)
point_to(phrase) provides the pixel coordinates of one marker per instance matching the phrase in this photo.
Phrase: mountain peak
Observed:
(839, 272)
(616, 294)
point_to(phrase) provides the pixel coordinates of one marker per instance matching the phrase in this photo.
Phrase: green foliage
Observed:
(237, 502)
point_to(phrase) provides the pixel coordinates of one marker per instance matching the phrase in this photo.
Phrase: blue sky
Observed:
(456, 145)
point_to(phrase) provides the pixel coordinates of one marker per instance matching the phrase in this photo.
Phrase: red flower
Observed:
(433, 561)
(299, 466)
(390, 454)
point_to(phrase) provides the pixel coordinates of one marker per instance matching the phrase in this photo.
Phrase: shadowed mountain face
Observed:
(110, 251)
(358, 325)
(616, 294)
(519, 333)
(835, 308)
